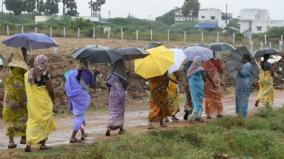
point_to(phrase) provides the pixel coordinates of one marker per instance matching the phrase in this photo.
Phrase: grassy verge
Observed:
(258, 137)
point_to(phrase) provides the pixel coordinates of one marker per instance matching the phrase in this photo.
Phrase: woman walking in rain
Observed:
(266, 88)
(77, 87)
(40, 98)
(117, 86)
(196, 76)
(213, 103)
(15, 111)
(243, 86)
(159, 101)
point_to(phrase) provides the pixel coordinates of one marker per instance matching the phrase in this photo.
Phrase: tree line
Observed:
(50, 7)
(189, 9)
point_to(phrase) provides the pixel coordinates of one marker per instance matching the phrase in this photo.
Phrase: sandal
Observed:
(74, 141)
(108, 133)
(28, 149)
(12, 146)
(43, 148)
(84, 137)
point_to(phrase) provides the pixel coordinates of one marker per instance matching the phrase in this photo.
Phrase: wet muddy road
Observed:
(135, 117)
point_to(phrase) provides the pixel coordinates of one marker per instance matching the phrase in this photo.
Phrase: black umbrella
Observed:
(132, 53)
(217, 47)
(266, 51)
(96, 54)
(152, 45)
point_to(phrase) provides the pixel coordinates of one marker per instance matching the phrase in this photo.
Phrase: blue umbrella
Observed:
(31, 41)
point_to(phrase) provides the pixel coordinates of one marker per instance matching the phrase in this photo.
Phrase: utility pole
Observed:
(149, 17)
(108, 15)
(91, 5)
(3, 7)
(226, 15)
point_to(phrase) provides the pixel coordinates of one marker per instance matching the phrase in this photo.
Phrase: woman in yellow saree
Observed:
(40, 104)
(14, 105)
(266, 88)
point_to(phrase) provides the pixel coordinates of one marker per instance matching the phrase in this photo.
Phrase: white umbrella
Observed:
(179, 58)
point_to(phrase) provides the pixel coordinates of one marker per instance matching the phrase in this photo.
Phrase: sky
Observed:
(153, 8)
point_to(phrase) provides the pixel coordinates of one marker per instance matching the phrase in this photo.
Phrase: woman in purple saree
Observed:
(117, 86)
(77, 87)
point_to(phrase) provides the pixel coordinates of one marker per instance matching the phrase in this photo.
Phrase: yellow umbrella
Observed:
(156, 64)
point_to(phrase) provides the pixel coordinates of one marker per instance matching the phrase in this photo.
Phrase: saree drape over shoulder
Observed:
(213, 104)
(159, 102)
(40, 116)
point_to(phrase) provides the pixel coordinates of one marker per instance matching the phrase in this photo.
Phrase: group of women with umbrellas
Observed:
(29, 97)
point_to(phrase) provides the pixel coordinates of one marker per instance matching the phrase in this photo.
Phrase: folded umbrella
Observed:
(31, 41)
(96, 54)
(156, 64)
(204, 53)
(132, 53)
(218, 47)
(179, 58)
(266, 51)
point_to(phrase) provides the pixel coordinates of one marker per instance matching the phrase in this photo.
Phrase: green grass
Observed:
(258, 137)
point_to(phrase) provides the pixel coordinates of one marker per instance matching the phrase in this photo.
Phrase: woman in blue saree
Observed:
(243, 86)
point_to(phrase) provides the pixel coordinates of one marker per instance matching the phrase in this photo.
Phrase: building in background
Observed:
(254, 21)
(208, 15)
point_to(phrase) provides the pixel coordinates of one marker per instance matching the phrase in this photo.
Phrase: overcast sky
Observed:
(144, 8)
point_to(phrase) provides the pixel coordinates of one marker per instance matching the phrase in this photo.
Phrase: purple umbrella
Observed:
(31, 41)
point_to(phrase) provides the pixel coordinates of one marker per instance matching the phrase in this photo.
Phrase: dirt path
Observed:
(135, 117)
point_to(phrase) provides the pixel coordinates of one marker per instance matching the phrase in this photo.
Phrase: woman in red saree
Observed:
(213, 103)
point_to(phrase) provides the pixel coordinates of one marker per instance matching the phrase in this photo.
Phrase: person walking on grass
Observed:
(266, 87)
(40, 97)
(196, 76)
(243, 86)
(159, 100)
(15, 111)
(213, 94)
(117, 87)
(77, 87)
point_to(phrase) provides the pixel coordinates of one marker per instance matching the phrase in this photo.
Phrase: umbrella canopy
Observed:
(179, 58)
(204, 53)
(266, 51)
(131, 53)
(96, 54)
(217, 47)
(156, 64)
(31, 41)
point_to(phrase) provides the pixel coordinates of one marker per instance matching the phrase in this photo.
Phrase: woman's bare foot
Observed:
(174, 118)
(108, 132)
(74, 140)
(209, 117)
(44, 147)
(166, 120)
(256, 103)
(23, 140)
(121, 131)
(28, 148)
(162, 124)
(12, 146)
(150, 126)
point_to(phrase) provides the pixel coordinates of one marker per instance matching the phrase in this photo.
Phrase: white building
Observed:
(214, 15)
(257, 21)
(207, 15)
